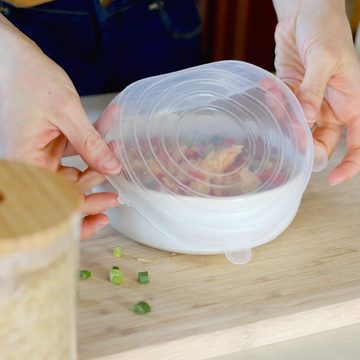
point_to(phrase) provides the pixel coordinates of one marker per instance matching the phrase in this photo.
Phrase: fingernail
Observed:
(111, 164)
(121, 201)
(333, 183)
(320, 159)
(116, 202)
(336, 179)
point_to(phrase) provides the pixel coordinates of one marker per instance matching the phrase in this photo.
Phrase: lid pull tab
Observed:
(240, 257)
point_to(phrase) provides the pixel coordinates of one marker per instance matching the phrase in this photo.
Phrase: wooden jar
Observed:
(39, 231)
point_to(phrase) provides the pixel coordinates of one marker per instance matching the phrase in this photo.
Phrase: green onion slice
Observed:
(84, 274)
(117, 252)
(141, 308)
(116, 276)
(143, 277)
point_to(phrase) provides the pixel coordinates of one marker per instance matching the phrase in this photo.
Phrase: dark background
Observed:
(244, 29)
(239, 29)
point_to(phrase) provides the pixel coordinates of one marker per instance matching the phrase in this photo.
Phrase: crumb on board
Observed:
(144, 260)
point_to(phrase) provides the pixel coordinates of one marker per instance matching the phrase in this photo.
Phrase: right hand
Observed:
(42, 119)
(316, 58)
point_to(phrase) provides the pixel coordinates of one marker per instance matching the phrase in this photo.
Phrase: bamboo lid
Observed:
(37, 207)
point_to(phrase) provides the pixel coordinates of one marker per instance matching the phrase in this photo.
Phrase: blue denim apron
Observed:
(105, 45)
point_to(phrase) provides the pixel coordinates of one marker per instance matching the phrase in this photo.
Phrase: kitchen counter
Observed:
(305, 283)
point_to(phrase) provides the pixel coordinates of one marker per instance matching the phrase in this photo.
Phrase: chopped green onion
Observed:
(141, 308)
(143, 277)
(117, 252)
(84, 274)
(116, 276)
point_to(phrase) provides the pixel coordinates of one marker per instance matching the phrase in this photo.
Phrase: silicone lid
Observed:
(219, 133)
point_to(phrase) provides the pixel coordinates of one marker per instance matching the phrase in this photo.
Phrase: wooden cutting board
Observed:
(304, 282)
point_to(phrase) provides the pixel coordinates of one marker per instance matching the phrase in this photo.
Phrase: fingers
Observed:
(274, 98)
(72, 174)
(87, 142)
(94, 205)
(89, 179)
(350, 165)
(107, 119)
(54, 151)
(348, 168)
(311, 92)
(277, 101)
(69, 150)
(84, 181)
(103, 125)
(327, 137)
(92, 224)
(100, 202)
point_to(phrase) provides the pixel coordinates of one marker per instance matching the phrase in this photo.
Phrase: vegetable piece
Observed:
(116, 276)
(192, 154)
(117, 252)
(141, 308)
(84, 274)
(143, 277)
(229, 142)
(196, 175)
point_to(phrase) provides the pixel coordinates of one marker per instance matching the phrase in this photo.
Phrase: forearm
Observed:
(16, 49)
(12, 41)
(327, 18)
(289, 8)
(8, 32)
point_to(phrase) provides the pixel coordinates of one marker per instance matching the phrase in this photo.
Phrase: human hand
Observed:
(41, 120)
(315, 57)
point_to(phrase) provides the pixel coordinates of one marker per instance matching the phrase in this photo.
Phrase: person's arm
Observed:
(316, 57)
(41, 119)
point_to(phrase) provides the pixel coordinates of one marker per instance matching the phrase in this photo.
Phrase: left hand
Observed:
(42, 119)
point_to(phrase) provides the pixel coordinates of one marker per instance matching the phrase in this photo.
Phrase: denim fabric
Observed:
(103, 49)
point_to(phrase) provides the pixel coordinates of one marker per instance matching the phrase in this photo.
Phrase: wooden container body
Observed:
(39, 231)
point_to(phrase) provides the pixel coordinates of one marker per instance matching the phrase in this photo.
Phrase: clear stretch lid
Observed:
(221, 132)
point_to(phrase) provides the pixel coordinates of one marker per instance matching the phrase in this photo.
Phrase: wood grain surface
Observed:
(304, 282)
(36, 207)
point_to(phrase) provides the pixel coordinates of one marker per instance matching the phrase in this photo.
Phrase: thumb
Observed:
(88, 143)
(312, 89)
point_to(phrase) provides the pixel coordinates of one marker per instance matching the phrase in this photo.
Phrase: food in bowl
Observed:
(206, 168)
